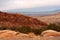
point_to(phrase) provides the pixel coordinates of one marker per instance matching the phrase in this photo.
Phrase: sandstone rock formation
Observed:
(8, 33)
(50, 33)
(11, 34)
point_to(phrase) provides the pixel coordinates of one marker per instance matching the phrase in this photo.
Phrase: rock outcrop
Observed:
(50, 33)
(12, 34)
(16, 20)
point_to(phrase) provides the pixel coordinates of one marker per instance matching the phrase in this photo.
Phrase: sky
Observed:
(29, 5)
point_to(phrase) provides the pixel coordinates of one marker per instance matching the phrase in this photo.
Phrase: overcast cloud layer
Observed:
(21, 4)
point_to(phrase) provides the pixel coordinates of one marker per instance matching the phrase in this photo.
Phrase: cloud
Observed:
(19, 4)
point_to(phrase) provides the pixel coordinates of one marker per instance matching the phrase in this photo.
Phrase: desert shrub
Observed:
(13, 28)
(27, 29)
(36, 31)
(3, 28)
(54, 27)
(49, 27)
(39, 30)
(24, 29)
(8, 28)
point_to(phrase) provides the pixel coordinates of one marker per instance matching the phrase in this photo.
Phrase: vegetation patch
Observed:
(27, 29)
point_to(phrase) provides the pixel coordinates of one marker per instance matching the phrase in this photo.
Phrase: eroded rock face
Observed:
(10, 19)
(50, 33)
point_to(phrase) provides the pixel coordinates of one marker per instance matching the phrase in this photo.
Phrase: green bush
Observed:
(36, 31)
(39, 31)
(49, 27)
(24, 29)
(13, 28)
(3, 28)
(54, 27)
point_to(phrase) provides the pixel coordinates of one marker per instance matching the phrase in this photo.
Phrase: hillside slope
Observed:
(55, 18)
(10, 19)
